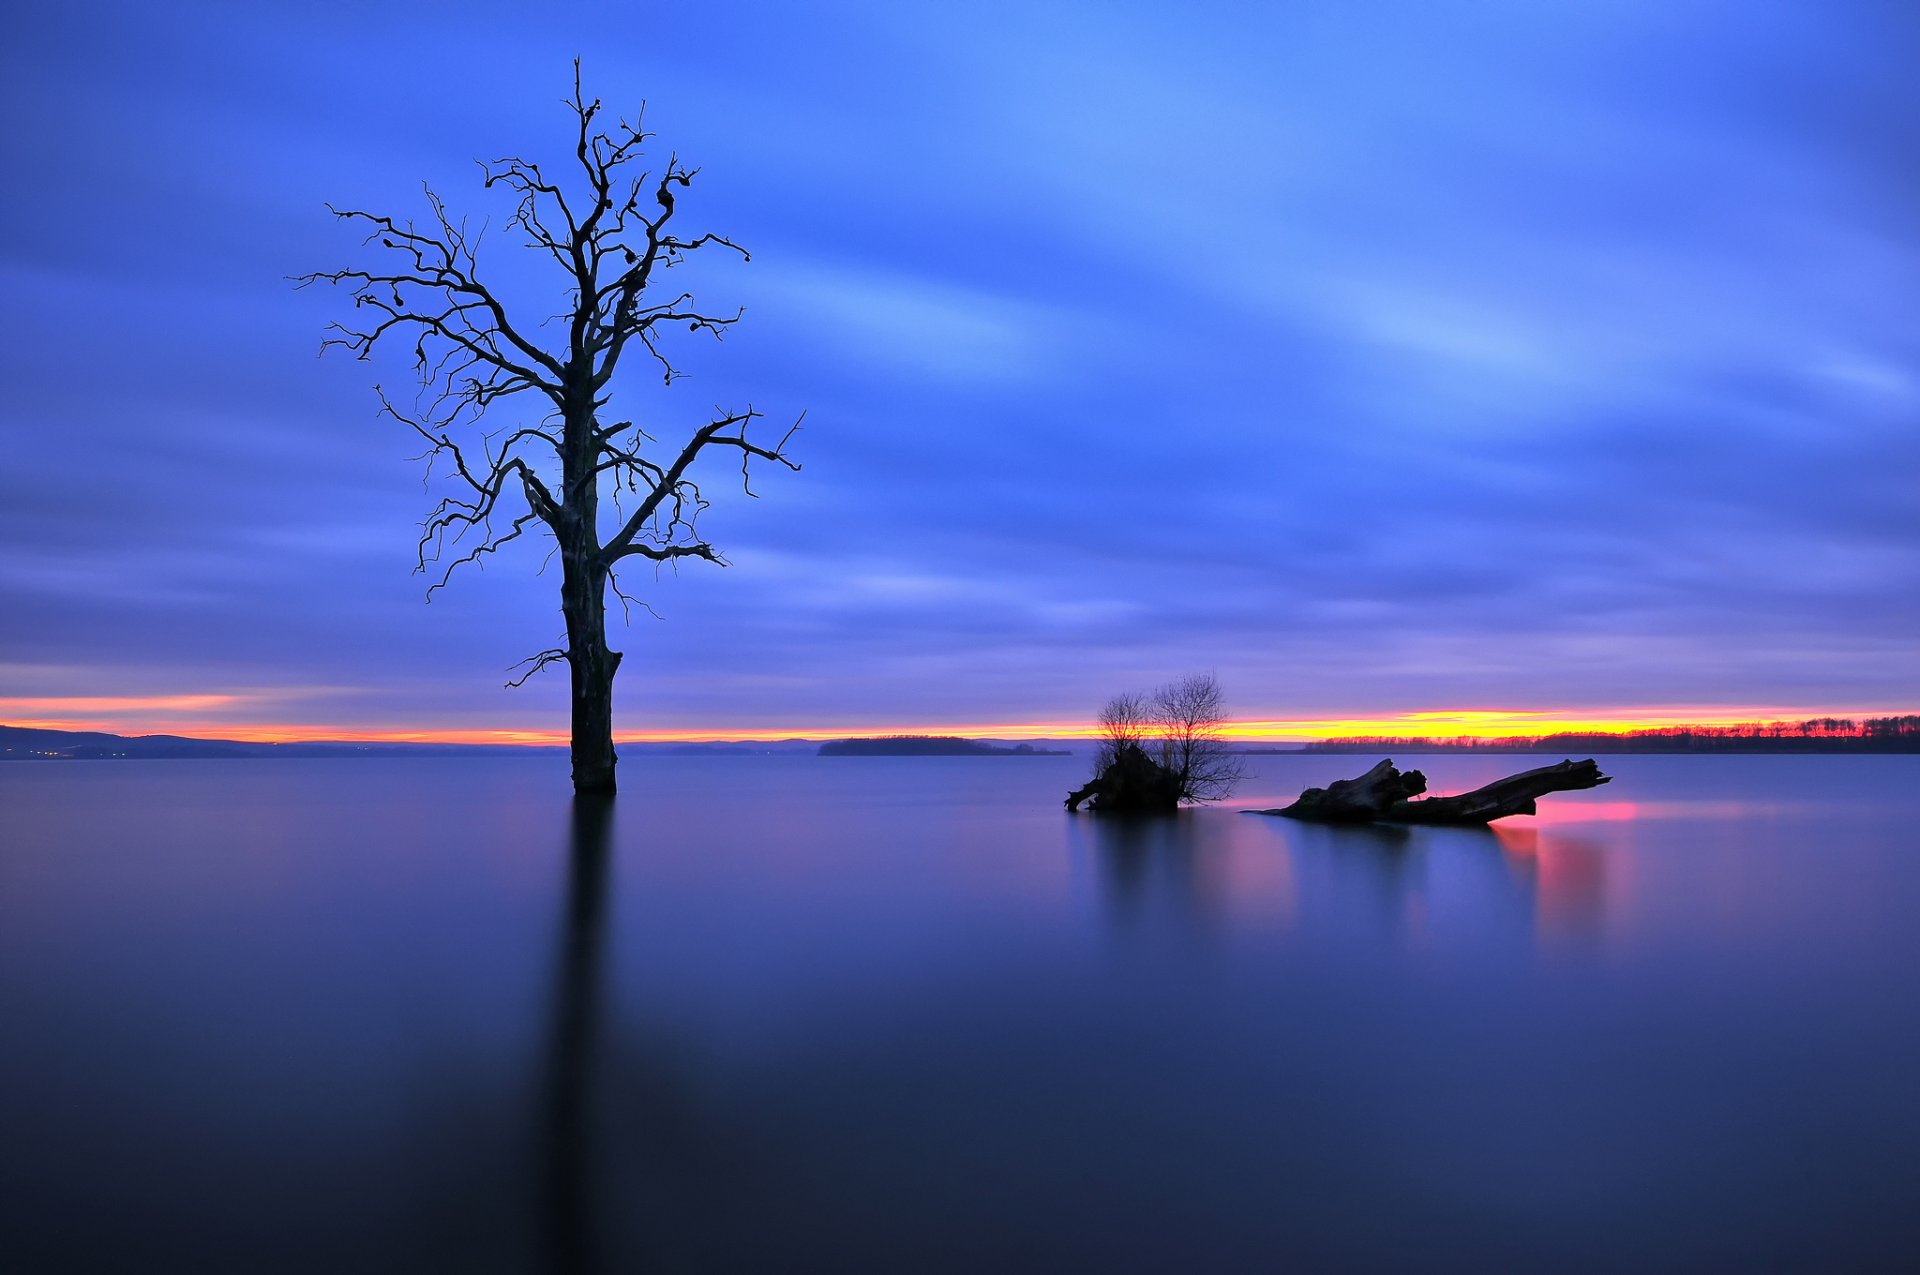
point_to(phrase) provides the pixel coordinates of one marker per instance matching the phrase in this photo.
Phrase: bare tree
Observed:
(1123, 724)
(1188, 715)
(609, 237)
(1159, 750)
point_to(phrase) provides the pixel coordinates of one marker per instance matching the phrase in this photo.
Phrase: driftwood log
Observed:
(1132, 783)
(1386, 794)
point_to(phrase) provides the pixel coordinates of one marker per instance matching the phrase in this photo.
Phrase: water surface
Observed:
(905, 1014)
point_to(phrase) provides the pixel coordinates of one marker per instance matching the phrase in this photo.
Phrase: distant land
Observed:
(24, 743)
(1815, 735)
(931, 746)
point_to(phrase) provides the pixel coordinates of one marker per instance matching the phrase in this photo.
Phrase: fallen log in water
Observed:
(1361, 800)
(1386, 795)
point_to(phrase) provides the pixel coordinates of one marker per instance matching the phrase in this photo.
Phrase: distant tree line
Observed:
(1814, 735)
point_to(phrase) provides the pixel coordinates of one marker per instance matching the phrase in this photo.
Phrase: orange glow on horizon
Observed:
(32, 704)
(187, 715)
(255, 733)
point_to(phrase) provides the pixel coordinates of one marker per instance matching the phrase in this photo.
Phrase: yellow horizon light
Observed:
(146, 715)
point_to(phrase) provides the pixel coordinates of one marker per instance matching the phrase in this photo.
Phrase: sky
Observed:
(1560, 361)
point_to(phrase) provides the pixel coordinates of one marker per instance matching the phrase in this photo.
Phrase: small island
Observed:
(931, 746)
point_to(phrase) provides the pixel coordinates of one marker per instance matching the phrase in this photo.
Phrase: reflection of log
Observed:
(1382, 794)
(1132, 783)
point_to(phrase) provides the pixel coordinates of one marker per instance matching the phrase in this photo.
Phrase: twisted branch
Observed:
(535, 663)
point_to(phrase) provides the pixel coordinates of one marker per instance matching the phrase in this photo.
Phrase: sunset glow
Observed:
(16, 707)
(875, 636)
(188, 715)
(1288, 419)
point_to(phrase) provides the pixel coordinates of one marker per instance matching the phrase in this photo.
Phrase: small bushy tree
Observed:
(1124, 723)
(1166, 747)
(1188, 716)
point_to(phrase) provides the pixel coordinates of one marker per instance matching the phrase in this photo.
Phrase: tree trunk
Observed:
(592, 665)
(1361, 800)
(1513, 795)
(1382, 794)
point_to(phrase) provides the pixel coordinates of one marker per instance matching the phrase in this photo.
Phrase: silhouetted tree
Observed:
(608, 236)
(1188, 716)
(1159, 750)
(1124, 722)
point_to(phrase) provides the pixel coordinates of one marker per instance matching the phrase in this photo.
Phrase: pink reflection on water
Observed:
(1555, 810)
(1570, 877)
(1558, 809)
(1254, 886)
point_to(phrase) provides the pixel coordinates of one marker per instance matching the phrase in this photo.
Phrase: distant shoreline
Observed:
(1898, 734)
(1818, 737)
(930, 746)
(1610, 748)
(24, 743)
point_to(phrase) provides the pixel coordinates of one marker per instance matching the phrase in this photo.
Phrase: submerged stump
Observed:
(1132, 783)
(1385, 794)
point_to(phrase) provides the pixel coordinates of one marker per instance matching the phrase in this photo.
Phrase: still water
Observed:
(892, 1014)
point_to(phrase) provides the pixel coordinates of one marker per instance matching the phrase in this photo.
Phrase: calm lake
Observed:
(901, 1014)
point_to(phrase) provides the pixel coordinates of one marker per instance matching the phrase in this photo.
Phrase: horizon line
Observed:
(1442, 724)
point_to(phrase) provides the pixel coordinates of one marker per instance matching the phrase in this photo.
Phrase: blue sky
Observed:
(1379, 357)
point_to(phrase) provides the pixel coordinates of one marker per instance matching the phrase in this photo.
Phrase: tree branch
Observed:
(673, 489)
(537, 663)
(608, 232)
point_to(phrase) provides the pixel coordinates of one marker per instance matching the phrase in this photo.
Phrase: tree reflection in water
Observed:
(568, 1215)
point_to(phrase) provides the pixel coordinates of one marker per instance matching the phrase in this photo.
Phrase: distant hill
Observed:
(25, 743)
(931, 746)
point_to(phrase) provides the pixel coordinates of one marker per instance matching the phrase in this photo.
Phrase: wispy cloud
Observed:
(1380, 358)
